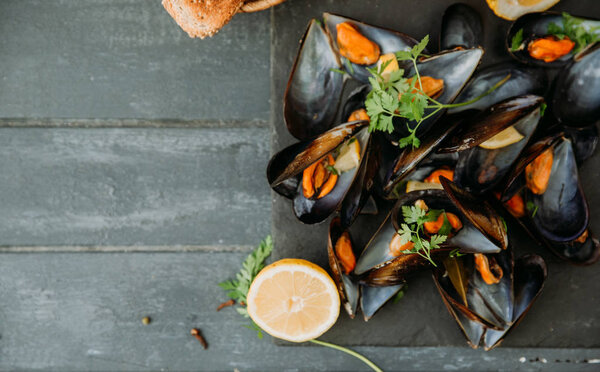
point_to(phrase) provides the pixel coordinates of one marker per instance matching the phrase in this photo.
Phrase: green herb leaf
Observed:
(337, 71)
(238, 288)
(574, 29)
(532, 208)
(400, 294)
(419, 48)
(543, 108)
(332, 170)
(517, 40)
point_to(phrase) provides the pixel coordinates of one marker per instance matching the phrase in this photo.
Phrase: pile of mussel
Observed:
(511, 158)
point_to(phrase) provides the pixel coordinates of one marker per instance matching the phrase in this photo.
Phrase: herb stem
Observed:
(493, 88)
(372, 365)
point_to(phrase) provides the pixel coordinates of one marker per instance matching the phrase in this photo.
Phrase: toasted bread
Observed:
(201, 18)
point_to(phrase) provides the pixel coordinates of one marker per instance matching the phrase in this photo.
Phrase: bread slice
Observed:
(201, 18)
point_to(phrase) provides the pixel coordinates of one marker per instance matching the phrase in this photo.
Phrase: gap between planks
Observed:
(129, 123)
(128, 249)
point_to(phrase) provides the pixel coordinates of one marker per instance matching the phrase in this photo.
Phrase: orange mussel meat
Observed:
(537, 173)
(344, 253)
(431, 86)
(433, 227)
(550, 48)
(490, 271)
(434, 177)
(317, 179)
(396, 246)
(355, 46)
(360, 114)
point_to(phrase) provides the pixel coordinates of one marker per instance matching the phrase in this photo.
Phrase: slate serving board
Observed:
(566, 315)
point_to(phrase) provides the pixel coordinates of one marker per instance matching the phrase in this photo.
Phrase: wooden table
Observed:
(132, 166)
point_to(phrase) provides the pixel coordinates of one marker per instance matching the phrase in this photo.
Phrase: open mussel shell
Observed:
(480, 213)
(389, 41)
(313, 91)
(529, 276)
(577, 252)
(410, 158)
(576, 100)
(346, 285)
(461, 27)
(455, 67)
(534, 26)
(527, 283)
(373, 298)
(481, 127)
(489, 304)
(562, 210)
(356, 100)
(522, 80)
(291, 161)
(479, 170)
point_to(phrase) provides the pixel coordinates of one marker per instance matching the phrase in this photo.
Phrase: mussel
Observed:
(342, 260)
(482, 167)
(387, 41)
(530, 39)
(322, 170)
(576, 100)
(486, 310)
(461, 27)
(313, 91)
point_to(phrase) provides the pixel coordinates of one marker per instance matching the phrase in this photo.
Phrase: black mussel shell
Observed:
(488, 123)
(313, 91)
(530, 275)
(347, 287)
(389, 41)
(584, 141)
(479, 170)
(576, 252)
(373, 298)
(522, 80)
(410, 158)
(461, 27)
(534, 26)
(311, 211)
(562, 213)
(479, 212)
(576, 100)
(356, 100)
(455, 67)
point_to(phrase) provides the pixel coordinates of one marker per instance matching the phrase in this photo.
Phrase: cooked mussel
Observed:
(342, 260)
(324, 170)
(377, 41)
(313, 91)
(485, 312)
(576, 100)
(584, 141)
(481, 168)
(461, 27)
(530, 39)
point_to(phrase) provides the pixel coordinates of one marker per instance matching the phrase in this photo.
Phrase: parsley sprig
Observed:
(412, 230)
(574, 29)
(517, 41)
(399, 96)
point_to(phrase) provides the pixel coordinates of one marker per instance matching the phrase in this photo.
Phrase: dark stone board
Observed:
(567, 313)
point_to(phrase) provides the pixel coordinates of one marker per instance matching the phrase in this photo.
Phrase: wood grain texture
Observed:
(74, 312)
(124, 186)
(128, 59)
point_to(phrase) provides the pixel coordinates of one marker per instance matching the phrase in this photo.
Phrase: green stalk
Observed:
(348, 351)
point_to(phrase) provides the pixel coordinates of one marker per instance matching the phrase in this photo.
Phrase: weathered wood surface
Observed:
(128, 59)
(75, 312)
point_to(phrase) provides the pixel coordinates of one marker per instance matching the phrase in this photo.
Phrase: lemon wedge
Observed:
(293, 299)
(418, 185)
(349, 157)
(391, 66)
(513, 9)
(507, 137)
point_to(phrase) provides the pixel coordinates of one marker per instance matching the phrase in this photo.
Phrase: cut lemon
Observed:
(507, 137)
(418, 185)
(294, 300)
(349, 157)
(391, 65)
(513, 9)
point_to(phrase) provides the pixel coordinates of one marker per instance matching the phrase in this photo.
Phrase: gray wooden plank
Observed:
(74, 312)
(133, 186)
(128, 59)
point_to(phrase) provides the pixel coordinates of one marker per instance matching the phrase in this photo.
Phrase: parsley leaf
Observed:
(532, 208)
(332, 170)
(517, 40)
(543, 108)
(573, 28)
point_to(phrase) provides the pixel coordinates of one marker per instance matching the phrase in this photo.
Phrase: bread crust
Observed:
(201, 18)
